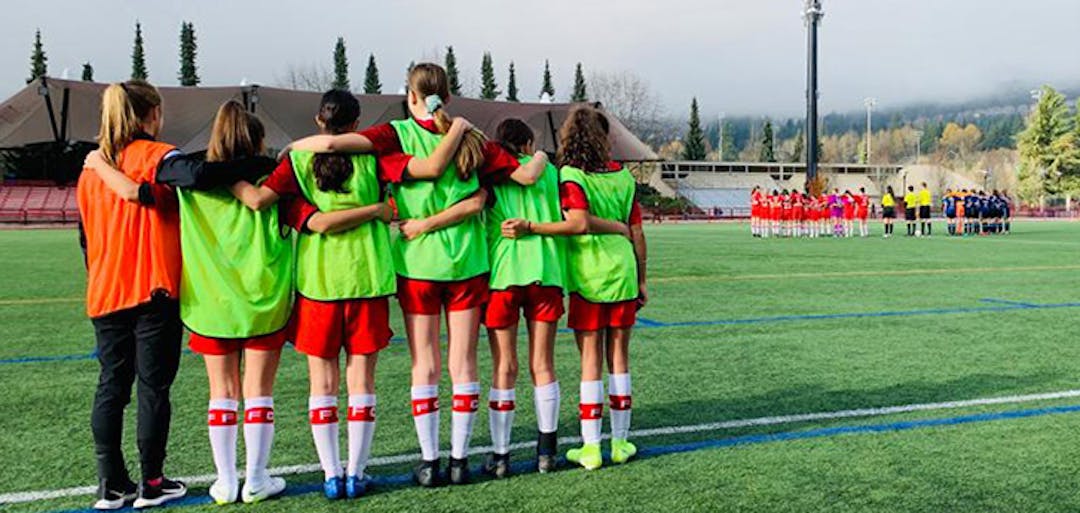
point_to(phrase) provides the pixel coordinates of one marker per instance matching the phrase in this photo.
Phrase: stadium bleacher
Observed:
(37, 203)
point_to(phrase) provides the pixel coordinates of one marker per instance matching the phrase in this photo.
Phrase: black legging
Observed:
(141, 342)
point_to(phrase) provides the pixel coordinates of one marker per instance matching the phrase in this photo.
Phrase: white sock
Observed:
(466, 402)
(546, 397)
(324, 429)
(221, 423)
(258, 435)
(592, 410)
(425, 410)
(361, 429)
(619, 395)
(501, 418)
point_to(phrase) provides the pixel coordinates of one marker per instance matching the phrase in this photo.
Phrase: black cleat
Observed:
(115, 497)
(159, 493)
(459, 471)
(547, 450)
(545, 463)
(426, 473)
(497, 465)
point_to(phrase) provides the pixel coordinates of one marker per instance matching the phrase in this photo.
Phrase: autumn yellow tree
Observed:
(958, 145)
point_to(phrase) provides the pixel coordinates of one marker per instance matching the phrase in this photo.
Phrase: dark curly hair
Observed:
(582, 141)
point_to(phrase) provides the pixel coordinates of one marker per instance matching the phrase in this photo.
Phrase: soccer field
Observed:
(934, 374)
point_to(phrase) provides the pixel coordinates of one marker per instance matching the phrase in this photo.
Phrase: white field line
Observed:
(203, 479)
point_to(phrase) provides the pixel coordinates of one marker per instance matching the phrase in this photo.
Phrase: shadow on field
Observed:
(815, 398)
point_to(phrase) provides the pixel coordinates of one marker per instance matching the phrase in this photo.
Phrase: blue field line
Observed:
(1007, 302)
(996, 305)
(524, 467)
(649, 323)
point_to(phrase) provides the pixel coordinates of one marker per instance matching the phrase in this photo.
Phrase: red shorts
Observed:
(862, 214)
(849, 215)
(223, 346)
(423, 297)
(324, 328)
(540, 303)
(589, 316)
(798, 215)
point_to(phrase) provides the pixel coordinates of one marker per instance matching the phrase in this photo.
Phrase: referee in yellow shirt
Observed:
(910, 202)
(926, 227)
(888, 211)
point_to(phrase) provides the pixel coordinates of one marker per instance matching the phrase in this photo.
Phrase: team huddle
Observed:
(801, 214)
(247, 252)
(977, 213)
(795, 214)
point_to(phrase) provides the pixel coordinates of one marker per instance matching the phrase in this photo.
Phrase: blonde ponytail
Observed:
(426, 79)
(124, 106)
(236, 134)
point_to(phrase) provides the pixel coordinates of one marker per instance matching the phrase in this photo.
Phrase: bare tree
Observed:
(630, 98)
(309, 77)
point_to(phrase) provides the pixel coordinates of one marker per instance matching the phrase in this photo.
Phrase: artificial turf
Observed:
(736, 328)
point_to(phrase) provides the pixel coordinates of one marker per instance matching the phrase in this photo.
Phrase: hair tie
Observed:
(434, 102)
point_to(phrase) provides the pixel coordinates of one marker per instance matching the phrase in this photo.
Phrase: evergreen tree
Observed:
(694, 143)
(189, 75)
(511, 85)
(488, 88)
(452, 72)
(727, 142)
(38, 60)
(87, 72)
(799, 149)
(1049, 148)
(341, 66)
(548, 87)
(580, 94)
(371, 77)
(767, 153)
(138, 56)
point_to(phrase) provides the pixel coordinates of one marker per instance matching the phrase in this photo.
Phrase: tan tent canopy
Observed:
(25, 118)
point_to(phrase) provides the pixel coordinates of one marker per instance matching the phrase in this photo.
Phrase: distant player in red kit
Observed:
(862, 212)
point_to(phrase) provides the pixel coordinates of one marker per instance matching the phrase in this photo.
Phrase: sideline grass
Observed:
(682, 375)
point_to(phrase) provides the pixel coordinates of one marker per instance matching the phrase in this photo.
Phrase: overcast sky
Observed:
(736, 56)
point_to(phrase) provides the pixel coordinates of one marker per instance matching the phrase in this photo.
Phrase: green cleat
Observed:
(587, 456)
(622, 450)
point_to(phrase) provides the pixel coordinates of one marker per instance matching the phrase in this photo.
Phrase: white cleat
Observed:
(262, 489)
(224, 492)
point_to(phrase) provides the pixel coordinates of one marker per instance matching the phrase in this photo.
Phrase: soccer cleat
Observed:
(622, 450)
(587, 456)
(224, 492)
(547, 446)
(334, 488)
(262, 489)
(356, 486)
(459, 471)
(545, 463)
(159, 491)
(497, 465)
(110, 498)
(426, 473)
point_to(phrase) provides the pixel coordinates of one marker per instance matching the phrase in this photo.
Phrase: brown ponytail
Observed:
(426, 79)
(124, 106)
(582, 141)
(236, 134)
(338, 112)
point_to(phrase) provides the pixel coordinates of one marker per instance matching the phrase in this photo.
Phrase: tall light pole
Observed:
(720, 137)
(870, 104)
(812, 14)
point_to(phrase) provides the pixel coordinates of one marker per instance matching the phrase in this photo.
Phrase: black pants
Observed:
(141, 342)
